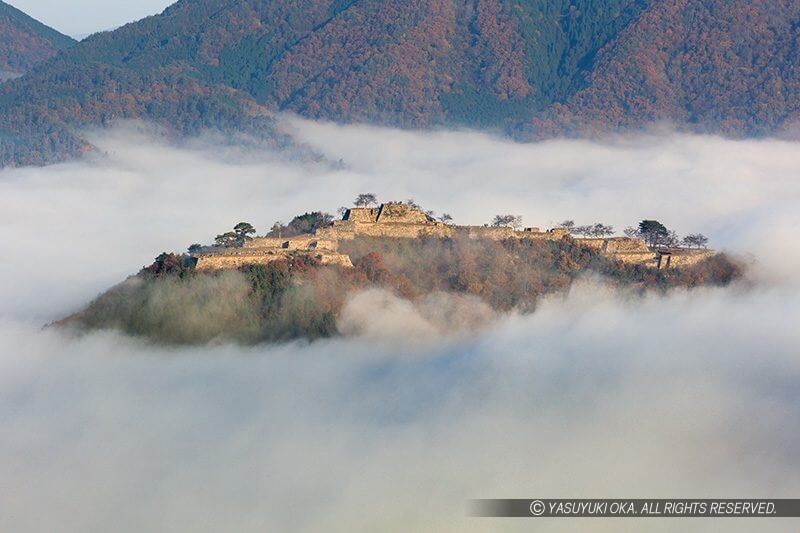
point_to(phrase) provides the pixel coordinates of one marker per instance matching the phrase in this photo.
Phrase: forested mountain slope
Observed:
(25, 41)
(529, 68)
(722, 66)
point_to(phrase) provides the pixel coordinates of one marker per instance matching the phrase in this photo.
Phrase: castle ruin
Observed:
(402, 221)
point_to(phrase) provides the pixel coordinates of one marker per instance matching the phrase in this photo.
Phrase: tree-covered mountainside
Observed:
(532, 68)
(25, 41)
(721, 66)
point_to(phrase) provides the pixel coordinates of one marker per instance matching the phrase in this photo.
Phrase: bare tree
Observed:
(632, 232)
(568, 224)
(581, 230)
(447, 219)
(513, 221)
(365, 199)
(601, 230)
(412, 204)
(695, 240)
(671, 239)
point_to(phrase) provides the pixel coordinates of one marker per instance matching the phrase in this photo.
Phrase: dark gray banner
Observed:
(637, 508)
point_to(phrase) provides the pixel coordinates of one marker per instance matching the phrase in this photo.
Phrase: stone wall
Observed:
(675, 258)
(348, 230)
(626, 249)
(636, 258)
(399, 213)
(615, 245)
(636, 251)
(299, 242)
(625, 245)
(235, 258)
(399, 220)
(264, 242)
(503, 232)
(594, 244)
(361, 214)
(487, 232)
(401, 230)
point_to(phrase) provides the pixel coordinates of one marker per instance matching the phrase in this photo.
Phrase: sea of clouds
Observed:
(395, 426)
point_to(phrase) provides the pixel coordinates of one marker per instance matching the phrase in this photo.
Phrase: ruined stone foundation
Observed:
(263, 250)
(401, 221)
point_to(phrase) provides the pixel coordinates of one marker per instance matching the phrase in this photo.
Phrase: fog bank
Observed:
(597, 394)
(691, 395)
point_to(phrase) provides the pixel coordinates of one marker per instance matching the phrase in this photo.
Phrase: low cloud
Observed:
(378, 314)
(596, 394)
(593, 395)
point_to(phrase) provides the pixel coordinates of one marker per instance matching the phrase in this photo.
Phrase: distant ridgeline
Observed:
(271, 288)
(532, 70)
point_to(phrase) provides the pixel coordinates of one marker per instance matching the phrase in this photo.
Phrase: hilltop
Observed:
(24, 41)
(298, 281)
(530, 69)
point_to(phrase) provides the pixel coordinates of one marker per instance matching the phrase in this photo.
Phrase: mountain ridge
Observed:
(529, 69)
(25, 41)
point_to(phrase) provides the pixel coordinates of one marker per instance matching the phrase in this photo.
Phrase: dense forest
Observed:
(170, 302)
(25, 41)
(531, 69)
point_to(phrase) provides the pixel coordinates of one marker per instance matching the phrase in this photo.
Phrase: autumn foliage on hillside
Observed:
(169, 301)
(530, 69)
(25, 42)
(728, 66)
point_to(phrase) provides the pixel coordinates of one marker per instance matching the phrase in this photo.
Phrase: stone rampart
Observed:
(399, 220)
(676, 258)
(299, 242)
(487, 232)
(636, 258)
(399, 213)
(348, 230)
(636, 251)
(235, 258)
(499, 233)
(361, 214)
(594, 244)
(615, 245)
(403, 230)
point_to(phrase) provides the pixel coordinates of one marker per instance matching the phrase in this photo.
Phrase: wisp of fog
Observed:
(415, 410)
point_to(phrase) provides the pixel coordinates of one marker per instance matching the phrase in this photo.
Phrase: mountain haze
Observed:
(25, 41)
(530, 68)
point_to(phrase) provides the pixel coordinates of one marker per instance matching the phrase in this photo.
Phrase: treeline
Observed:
(653, 232)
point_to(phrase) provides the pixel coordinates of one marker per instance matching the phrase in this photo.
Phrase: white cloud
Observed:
(596, 394)
(379, 315)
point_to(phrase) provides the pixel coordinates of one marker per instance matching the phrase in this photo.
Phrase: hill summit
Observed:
(25, 41)
(303, 280)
